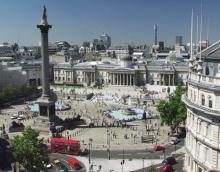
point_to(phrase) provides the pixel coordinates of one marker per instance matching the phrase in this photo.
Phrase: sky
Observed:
(126, 21)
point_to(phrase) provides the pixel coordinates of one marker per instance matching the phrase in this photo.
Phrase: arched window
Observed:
(210, 101)
(203, 99)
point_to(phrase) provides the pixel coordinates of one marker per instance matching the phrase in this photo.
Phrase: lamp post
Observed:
(108, 142)
(90, 146)
(143, 165)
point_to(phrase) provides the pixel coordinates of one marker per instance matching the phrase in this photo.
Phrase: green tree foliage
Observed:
(28, 150)
(173, 111)
(10, 92)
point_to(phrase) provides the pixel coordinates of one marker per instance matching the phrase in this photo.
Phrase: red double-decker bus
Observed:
(65, 146)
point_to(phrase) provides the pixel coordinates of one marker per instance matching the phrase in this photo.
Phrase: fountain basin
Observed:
(58, 106)
(119, 114)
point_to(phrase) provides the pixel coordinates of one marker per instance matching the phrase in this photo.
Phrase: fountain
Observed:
(130, 113)
(129, 110)
(58, 106)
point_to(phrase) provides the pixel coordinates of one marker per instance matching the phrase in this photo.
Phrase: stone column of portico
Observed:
(173, 80)
(118, 75)
(169, 79)
(117, 81)
(160, 79)
(123, 80)
(120, 79)
(130, 78)
(163, 79)
(113, 79)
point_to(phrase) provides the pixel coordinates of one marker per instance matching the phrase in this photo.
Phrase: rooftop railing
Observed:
(205, 79)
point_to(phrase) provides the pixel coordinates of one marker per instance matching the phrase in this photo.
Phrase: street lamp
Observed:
(143, 165)
(108, 142)
(90, 146)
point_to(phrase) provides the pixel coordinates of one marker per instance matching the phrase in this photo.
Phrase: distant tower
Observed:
(155, 34)
(46, 102)
(179, 40)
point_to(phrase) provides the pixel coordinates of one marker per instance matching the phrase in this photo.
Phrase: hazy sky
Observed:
(126, 21)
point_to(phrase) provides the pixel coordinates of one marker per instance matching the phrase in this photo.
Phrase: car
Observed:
(167, 168)
(56, 161)
(13, 117)
(169, 160)
(20, 118)
(62, 167)
(174, 141)
(159, 147)
(48, 166)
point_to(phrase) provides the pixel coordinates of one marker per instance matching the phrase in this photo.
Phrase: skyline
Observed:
(125, 21)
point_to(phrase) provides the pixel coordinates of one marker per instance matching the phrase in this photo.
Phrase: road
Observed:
(136, 154)
(126, 154)
(63, 159)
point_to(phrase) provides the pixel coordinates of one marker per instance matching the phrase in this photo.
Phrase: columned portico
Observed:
(167, 79)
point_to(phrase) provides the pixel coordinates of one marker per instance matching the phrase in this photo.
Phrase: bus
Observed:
(65, 146)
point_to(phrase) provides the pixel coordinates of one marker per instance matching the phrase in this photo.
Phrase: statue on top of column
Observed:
(44, 17)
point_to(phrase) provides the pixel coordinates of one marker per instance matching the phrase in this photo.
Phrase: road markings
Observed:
(143, 153)
(124, 154)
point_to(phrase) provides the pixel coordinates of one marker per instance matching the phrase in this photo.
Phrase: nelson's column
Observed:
(46, 101)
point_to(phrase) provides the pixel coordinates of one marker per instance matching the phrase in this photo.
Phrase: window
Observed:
(202, 99)
(198, 149)
(191, 94)
(210, 101)
(209, 130)
(194, 96)
(199, 169)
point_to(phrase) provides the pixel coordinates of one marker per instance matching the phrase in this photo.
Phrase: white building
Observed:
(203, 112)
(122, 72)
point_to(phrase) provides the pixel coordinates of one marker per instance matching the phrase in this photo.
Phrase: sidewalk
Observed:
(115, 165)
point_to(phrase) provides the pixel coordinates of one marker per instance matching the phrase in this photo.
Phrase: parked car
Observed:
(174, 141)
(159, 147)
(167, 168)
(169, 160)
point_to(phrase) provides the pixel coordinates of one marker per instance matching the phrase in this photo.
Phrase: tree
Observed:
(29, 151)
(173, 111)
(9, 92)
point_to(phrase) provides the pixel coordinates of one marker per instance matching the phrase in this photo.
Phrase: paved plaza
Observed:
(123, 135)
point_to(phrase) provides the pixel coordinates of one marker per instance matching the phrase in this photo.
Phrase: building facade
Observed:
(114, 72)
(203, 112)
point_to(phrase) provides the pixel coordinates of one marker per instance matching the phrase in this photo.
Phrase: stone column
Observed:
(120, 79)
(127, 80)
(169, 79)
(160, 79)
(44, 28)
(173, 80)
(130, 78)
(118, 75)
